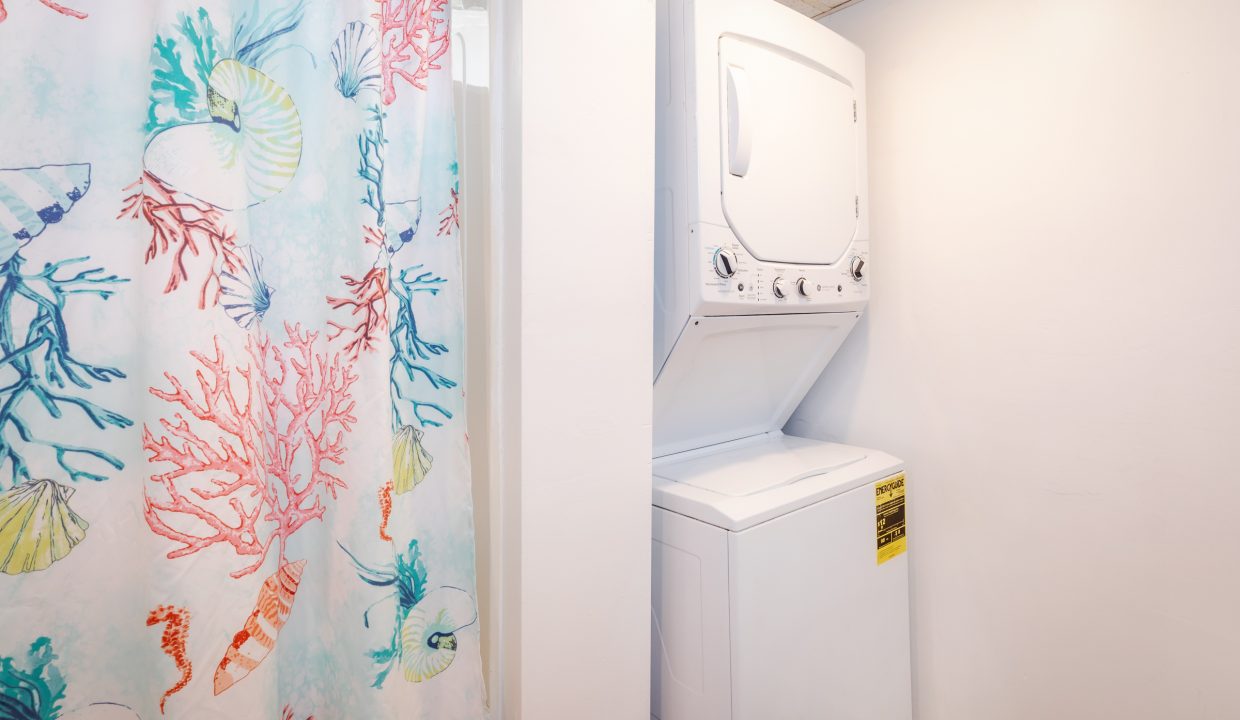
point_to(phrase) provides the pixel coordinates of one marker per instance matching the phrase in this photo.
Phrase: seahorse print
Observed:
(176, 634)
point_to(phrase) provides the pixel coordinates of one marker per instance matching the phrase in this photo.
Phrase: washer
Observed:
(780, 585)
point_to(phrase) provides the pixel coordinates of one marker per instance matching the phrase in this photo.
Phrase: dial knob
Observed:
(725, 263)
(777, 288)
(855, 267)
(805, 287)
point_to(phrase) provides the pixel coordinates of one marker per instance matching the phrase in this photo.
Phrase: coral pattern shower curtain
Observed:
(233, 469)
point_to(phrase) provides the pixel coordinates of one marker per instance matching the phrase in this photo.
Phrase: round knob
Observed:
(805, 288)
(854, 268)
(777, 288)
(725, 263)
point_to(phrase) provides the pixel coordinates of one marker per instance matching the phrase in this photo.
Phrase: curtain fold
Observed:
(234, 477)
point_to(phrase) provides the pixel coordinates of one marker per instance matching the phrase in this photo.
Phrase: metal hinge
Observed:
(857, 205)
(854, 111)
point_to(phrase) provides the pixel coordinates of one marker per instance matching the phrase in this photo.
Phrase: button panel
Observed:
(796, 286)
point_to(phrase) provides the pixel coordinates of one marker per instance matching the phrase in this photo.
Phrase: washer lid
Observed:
(739, 484)
(790, 153)
(757, 467)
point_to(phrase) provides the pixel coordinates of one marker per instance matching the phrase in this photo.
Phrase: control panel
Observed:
(729, 274)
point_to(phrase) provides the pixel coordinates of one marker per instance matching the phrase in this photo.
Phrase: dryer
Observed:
(762, 236)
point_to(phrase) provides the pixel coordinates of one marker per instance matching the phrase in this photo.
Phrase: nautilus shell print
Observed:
(428, 633)
(35, 197)
(101, 711)
(246, 154)
(37, 527)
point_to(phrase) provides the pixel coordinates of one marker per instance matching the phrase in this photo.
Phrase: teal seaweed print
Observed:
(34, 690)
(424, 635)
(179, 96)
(407, 578)
(179, 91)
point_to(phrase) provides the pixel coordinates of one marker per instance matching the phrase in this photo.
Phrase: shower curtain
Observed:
(233, 465)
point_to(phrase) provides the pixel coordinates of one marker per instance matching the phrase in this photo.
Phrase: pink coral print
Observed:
(252, 463)
(191, 232)
(414, 37)
(450, 217)
(367, 306)
(68, 12)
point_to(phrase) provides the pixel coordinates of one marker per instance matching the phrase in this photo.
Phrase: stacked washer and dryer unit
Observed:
(780, 579)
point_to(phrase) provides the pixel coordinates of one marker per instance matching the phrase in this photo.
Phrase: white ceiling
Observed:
(817, 8)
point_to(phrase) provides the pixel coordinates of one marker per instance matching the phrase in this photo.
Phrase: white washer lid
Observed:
(739, 484)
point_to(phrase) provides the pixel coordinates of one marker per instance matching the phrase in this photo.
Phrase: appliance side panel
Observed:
(821, 628)
(673, 193)
(690, 672)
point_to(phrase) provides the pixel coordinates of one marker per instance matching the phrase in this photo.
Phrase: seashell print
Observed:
(410, 461)
(256, 639)
(102, 711)
(246, 297)
(35, 197)
(37, 526)
(428, 633)
(246, 155)
(356, 57)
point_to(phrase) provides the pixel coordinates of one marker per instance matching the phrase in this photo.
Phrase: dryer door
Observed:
(789, 145)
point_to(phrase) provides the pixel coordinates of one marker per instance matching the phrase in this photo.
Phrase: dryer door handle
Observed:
(740, 131)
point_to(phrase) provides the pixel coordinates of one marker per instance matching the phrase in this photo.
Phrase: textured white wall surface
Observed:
(1054, 348)
(578, 391)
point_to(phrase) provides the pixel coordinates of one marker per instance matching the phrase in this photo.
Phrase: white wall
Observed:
(576, 217)
(1054, 347)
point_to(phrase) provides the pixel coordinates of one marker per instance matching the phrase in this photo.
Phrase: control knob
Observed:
(806, 288)
(777, 288)
(855, 267)
(725, 263)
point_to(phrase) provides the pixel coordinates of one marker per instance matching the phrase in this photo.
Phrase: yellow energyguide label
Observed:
(889, 519)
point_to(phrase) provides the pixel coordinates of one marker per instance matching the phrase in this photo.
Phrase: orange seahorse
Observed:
(176, 633)
(385, 510)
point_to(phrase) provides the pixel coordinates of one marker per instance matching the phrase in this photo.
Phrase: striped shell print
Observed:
(245, 155)
(33, 198)
(256, 639)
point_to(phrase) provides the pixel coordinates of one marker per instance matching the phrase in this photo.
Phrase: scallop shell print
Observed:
(356, 57)
(33, 198)
(410, 461)
(37, 527)
(245, 155)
